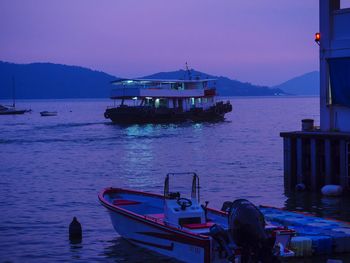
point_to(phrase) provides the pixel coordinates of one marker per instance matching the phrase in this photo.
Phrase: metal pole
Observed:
(13, 92)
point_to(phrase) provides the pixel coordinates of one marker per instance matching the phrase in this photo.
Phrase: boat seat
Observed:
(125, 202)
(198, 226)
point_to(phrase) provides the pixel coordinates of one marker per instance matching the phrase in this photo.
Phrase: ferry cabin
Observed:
(183, 95)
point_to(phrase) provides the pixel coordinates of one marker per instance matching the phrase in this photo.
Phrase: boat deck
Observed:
(153, 209)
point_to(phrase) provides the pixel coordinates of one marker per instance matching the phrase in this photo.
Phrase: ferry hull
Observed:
(145, 115)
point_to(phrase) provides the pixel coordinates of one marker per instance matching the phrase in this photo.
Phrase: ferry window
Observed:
(339, 71)
(149, 102)
(163, 103)
(192, 101)
(156, 103)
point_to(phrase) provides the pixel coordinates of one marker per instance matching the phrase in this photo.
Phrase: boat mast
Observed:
(13, 92)
(188, 72)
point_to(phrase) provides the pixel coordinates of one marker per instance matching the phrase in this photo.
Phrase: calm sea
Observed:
(52, 168)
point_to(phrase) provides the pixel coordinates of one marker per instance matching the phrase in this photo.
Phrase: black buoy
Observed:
(300, 187)
(75, 231)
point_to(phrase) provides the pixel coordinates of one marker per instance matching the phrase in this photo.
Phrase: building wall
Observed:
(335, 43)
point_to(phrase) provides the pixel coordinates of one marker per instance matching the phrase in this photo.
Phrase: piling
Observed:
(315, 159)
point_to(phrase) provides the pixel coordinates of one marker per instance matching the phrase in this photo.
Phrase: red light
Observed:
(317, 37)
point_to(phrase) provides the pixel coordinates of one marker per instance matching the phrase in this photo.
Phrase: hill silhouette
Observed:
(53, 81)
(57, 81)
(307, 84)
(225, 86)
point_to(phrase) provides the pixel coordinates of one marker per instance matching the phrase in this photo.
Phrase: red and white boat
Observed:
(180, 227)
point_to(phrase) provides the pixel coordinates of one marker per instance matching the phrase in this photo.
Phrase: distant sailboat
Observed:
(11, 110)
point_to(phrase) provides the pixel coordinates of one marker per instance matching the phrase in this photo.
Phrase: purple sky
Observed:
(263, 42)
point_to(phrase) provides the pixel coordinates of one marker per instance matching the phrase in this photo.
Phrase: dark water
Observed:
(51, 169)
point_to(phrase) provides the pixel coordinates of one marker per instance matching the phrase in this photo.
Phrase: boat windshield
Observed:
(194, 188)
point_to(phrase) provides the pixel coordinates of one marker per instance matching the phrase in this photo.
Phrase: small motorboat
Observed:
(181, 228)
(48, 113)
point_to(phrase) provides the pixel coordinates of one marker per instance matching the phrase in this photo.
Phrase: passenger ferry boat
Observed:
(165, 101)
(178, 226)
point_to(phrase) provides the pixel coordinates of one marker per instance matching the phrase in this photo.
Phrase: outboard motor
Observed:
(247, 227)
(225, 242)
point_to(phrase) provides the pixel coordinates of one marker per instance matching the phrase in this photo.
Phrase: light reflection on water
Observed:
(52, 169)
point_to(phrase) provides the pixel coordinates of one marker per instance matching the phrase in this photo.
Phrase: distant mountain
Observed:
(307, 84)
(56, 81)
(53, 81)
(225, 86)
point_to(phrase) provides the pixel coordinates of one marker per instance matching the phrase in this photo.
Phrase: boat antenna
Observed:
(188, 72)
(13, 92)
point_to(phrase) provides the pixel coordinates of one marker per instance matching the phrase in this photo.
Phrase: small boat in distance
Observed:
(166, 101)
(12, 110)
(5, 110)
(48, 113)
(178, 226)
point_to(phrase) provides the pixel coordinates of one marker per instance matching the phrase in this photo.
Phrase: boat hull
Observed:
(13, 112)
(126, 114)
(161, 241)
(48, 113)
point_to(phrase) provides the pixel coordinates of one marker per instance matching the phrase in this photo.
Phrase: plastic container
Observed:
(341, 241)
(321, 245)
(302, 246)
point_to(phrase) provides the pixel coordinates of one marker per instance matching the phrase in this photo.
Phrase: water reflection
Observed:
(76, 249)
(332, 207)
(122, 250)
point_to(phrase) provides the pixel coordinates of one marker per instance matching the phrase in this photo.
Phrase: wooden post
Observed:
(314, 166)
(328, 161)
(300, 161)
(343, 164)
(287, 163)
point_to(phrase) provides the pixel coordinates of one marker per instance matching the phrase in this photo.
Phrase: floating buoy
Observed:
(75, 231)
(332, 190)
(300, 187)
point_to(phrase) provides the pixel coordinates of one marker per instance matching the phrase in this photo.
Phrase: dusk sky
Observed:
(264, 41)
